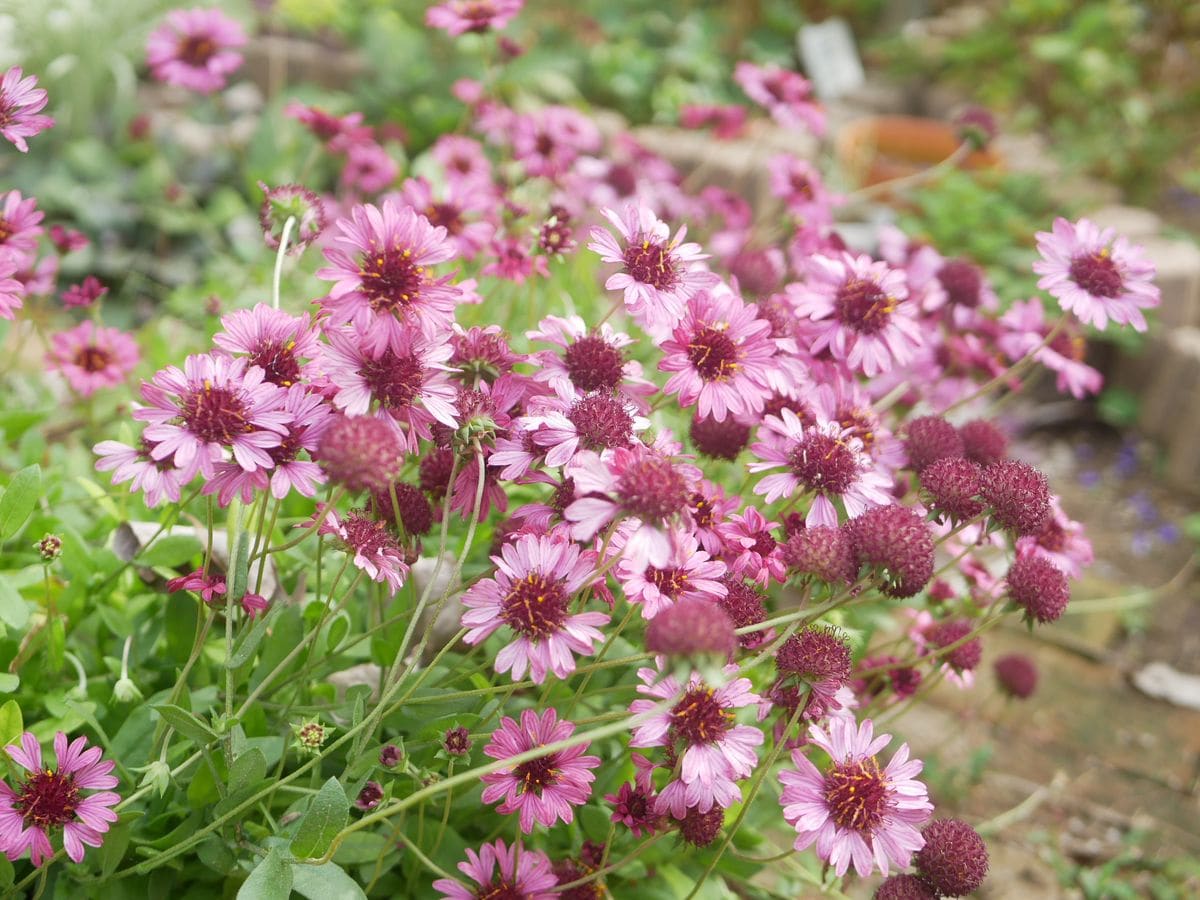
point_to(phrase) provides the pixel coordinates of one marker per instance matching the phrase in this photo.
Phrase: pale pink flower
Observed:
(369, 167)
(1061, 540)
(566, 424)
(91, 357)
(798, 183)
(19, 229)
(548, 141)
(463, 160)
(460, 207)
(512, 261)
(193, 48)
(516, 872)
(750, 548)
(1026, 329)
(689, 572)
(375, 549)
(457, 17)
(12, 291)
(786, 95)
(273, 340)
(158, 479)
(592, 359)
(20, 102)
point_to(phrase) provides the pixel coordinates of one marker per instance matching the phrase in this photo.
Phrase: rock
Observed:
(1178, 263)
(1163, 682)
(1173, 388)
(1132, 221)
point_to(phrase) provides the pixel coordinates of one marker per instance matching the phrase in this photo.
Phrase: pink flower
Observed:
(548, 142)
(273, 340)
(457, 17)
(380, 268)
(727, 122)
(83, 294)
(860, 305)
(1062, 541)
(535, 580)
(339, 132)
(797, 182)
(524, 874)
(193, 49)
(566, 424)
(50, 799)
(750, 548)
(545, 789)
(216, 403)
(689, 572)
(19, 229)
(12, 291)
(1027, 327)
(67, 240)
(659, 273)
(720, 354)
(592, 359)
(211, 588)
(786, 95)
(1096, 274)
(512, 261)
(820, 459)
(158, 479)
(463, 160)
(369, 168)
(91, 357)
(375, 549)
(20, 101)
(856, 812)
(699, 729)
(633, 806)
(710, 507)
(457, 208)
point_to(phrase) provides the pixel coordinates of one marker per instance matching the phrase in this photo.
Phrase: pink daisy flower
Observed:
(699, 730)
(339, 131)
(215, 403)
(536, 577)
(50, 799)
(380, 268)
(19, 229)
(193, 48)
(512, 261)
(67, 240)
(376, 551)
(545, 789)
(798, 183)
(457, 17)
(727, 121)
(710, 507)
(158, 479)
(12, 291)
(1096, 274)
(719, 354)
(659, 273)
(458, 208)
(751, 549)
(591, 360)
(1062, 541)
(564, 426)
(515, 872)
(91, 357)
(463, 160)
(273, 340)
(856, 813)
(1026, 328)
(690, 572)
(369, 167)
(20, 102)
(820, 459)
(860, 306)
(548, 141)
(83, 294)
(786, 95)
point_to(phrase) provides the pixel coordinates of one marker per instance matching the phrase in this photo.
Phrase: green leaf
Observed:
(338, 629)
(170, 551)
(112, 851)
(11, 723)
(14, 611)
(270, 880)
(243, 649)
(9, 682)
(325, 882)
(327, 815)
(98, 494)
(247, 770)
(214, 853)
(187, 724)
(241, 568)
(18, 500)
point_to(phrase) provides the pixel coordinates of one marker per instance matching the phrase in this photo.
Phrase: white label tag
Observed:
(830, 58)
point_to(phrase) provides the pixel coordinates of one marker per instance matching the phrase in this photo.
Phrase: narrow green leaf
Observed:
(247, 644)
(187, 724)
(327, 815)
(338, 629)
(241, 568)
(14, 610)
(18, 500)
(270, 880)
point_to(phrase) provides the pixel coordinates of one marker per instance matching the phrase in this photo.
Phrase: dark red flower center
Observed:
(214, 414)
(563, 496)
(652, 263)
(1097, 274)
(622, 178)
(594, 364)
(652, 490)
(196, 49)
(367, 536)
(713, 353)
(962, 282)
(800, 185)
(278, 361)
(535, 606)
(702, 511)
(857, 795)
(499, 889)
(92, 358)
(390, 278)
(537, 774)
(447, 215)
(47, 799)
(824, 464)
(859, 423)
(289, 447)
(395, 381)
(671, 582)
(698, 718)
(1070, 346)
(862, 305)
(602, 422)
(764, 543)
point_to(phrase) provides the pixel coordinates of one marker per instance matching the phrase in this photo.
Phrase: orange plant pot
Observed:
(881, 148)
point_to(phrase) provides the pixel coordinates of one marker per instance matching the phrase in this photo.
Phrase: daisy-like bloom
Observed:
(457, 208)
(512, 261)
(638, 481)
(856, 813)
(545, 789)
(548, 141)
(820, 459)
(719, 355)
(565, 425)
(1026, 329)
(405, 378)
(91, 357)
(457, 17)
(463, 160)
(786, 95)
(380, 268)
(727, 121)
(12, 291)
(710, 507)
(369, 167)
(659, 273)
(83, 294)
(751, 549)
(592, 359)
(1096, 274)
(158, 479)
(67, 240)
(338, 131)
(500, 871)
(211, 588)
(700, 731)
(19, 229)
(633, 807)
(797, 182)
(20, 102)
(50, 799)
(193, 48)
(535, 579)
(375, 548)
(215, 403)
(690, 572)
(272, 339)
(860, 307)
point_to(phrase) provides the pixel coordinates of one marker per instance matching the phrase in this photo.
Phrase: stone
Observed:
(1178, 264)
(1132, 221)
(1171, 391)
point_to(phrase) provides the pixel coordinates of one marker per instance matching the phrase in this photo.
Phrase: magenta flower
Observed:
(1061, 541)
(158, 479)
(211, 588)
(369, 167)
(786, 95)
(338, 131)
(50, 799)
(633, 806)
(751, 549)
(720, 355)
(12, 291)
(271, 339)
(91, 357)
(376, 551)
(458, 207)
(512, 261)
(542, 790)
(535, 580)
(566, 425)
(860, 307)
(193, 48)
(689, 572)
(516, 872)
(20, 102)
(19, 229)
(380, 268)
(83, 294)
(699, 729)
(67, 240)
(591, 360)
(798, 183)
(457, 17)
(659, 273)
(856, 812)
(463, 160)
(1026, 328)
(1096, 274)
